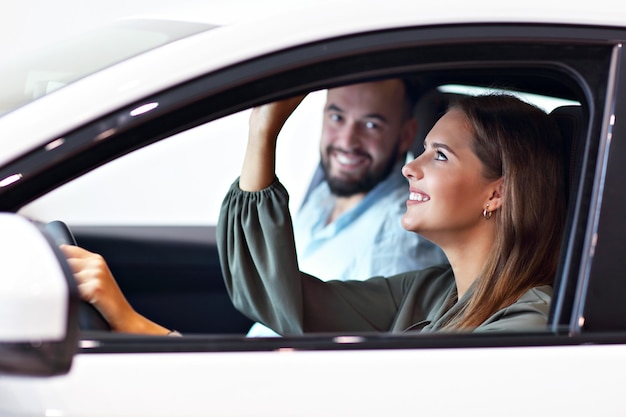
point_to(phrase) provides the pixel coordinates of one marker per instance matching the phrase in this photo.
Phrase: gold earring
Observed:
(487, 213)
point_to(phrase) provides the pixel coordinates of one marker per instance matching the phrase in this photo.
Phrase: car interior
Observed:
(148, 284)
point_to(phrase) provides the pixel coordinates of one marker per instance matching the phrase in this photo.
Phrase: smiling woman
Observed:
(471, 171)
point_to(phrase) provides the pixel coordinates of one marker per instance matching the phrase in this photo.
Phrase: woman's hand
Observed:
(97, 286)
(266, 121)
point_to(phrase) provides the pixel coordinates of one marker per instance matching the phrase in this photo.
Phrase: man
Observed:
(349, 226)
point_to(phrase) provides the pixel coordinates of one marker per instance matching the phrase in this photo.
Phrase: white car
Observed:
(132, 134)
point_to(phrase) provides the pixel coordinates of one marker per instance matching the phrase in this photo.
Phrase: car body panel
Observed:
(355, 383)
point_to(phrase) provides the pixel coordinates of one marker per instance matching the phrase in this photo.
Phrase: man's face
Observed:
(363, 135)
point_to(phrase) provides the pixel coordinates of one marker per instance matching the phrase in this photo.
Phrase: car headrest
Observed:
(572, 124)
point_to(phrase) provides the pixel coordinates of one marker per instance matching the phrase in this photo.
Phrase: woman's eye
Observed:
(440, 156)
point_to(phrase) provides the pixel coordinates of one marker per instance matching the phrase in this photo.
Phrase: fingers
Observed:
(96, 285)
(259, 162)
(89, 290)
(72, 250)
(269, 118)
(91, 273)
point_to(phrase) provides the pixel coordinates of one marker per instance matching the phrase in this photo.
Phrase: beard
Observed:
(347, 187)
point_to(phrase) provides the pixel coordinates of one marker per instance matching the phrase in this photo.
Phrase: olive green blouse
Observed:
(258, 259)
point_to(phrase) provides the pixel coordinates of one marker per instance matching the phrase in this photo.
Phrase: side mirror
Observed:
(38, 301)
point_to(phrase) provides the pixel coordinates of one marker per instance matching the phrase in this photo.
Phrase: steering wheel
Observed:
(89, 318)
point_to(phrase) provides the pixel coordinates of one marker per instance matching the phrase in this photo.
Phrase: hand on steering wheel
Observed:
(89, 317)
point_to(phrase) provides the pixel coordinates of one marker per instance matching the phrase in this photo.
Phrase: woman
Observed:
(488, 190)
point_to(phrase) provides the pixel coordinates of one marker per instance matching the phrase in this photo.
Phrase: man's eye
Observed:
(440, 156)
(335, 117)
(371, 125)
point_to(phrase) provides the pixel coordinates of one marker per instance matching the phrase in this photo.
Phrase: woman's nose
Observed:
(412, 169)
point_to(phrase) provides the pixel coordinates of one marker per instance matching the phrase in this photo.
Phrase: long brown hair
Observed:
(521, 144)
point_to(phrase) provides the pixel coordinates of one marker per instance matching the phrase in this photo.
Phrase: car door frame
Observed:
(334, 61)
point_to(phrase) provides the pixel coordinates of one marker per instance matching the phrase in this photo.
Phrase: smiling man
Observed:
(349, 226)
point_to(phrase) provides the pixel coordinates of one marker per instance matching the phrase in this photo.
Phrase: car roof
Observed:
(359, 12)
(247, 35)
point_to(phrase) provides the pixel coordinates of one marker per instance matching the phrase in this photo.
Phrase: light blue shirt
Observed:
(366, 241)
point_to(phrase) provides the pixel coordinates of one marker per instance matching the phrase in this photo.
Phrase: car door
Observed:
(170, 270)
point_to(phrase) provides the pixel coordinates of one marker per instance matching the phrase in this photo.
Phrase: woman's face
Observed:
(447, 191)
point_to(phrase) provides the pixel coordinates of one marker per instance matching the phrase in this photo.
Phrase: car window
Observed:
(131, 210)
(164, 185)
